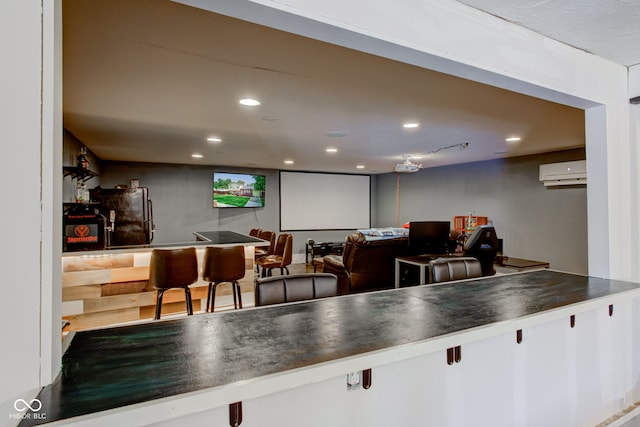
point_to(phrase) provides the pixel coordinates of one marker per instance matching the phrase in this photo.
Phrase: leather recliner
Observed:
(366, 265)
(456, 268)
(296, 287)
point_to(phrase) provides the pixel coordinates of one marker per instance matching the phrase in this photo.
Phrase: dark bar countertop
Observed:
(203, 238)
(225, 237)
(232, 351)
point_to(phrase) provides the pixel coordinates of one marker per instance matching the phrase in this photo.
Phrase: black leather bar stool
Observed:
(173, 268)
(223, 264)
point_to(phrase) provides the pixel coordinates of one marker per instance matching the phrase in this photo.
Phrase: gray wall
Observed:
(181, 197)
(546, 224)
(535, 222)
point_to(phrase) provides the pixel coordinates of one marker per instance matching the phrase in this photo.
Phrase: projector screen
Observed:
(324, 201)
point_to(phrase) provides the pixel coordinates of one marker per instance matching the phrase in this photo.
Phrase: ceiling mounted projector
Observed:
(407, 166)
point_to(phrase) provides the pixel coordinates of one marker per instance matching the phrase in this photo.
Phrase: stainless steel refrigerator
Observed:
(128, 213)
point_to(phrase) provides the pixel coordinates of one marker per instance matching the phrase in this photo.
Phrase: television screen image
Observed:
(429, 237)
(238, 190)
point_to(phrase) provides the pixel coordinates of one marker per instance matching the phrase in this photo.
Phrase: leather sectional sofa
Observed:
(369, 265)
(366, 265)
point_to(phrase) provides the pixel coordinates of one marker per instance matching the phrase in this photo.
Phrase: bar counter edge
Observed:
(203, 400)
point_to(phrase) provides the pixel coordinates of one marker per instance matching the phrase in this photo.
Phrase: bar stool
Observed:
(223, 264)
(261, 251)
(173, 268)
(281, 257)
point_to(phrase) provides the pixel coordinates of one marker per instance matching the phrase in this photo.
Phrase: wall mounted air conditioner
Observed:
(566, 173)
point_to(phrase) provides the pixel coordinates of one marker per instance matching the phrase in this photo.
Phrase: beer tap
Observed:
(109, 229)
(112, 220)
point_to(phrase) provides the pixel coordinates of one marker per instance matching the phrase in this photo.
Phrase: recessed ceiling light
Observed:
(288, 162)
(336, 134)
(249, 102)
(411, 125)
(360, 167)
(214, 139)
(513, 139)
(331, 150)
(197, 156)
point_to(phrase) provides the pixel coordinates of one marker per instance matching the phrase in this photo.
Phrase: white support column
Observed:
(634, 155)
(634, 81)
(597, 191)
(51, 140)
(21, 215)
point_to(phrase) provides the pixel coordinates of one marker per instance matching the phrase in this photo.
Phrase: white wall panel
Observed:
(557, 376)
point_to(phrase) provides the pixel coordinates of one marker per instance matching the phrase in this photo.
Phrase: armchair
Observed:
(365, 265)
(483, 245)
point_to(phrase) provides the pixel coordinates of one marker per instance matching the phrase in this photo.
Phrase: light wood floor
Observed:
(226, 302)
(299, 268)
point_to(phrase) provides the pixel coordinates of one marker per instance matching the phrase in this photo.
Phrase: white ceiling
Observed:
(606, 28)
(149, 80)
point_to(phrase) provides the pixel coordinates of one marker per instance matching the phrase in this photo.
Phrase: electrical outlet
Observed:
(622, 403)
(353, 380)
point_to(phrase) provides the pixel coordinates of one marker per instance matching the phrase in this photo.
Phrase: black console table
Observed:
(519, 264)
(320, 249)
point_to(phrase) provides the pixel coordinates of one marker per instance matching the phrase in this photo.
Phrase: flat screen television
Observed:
(429, 237)
(238, 190)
